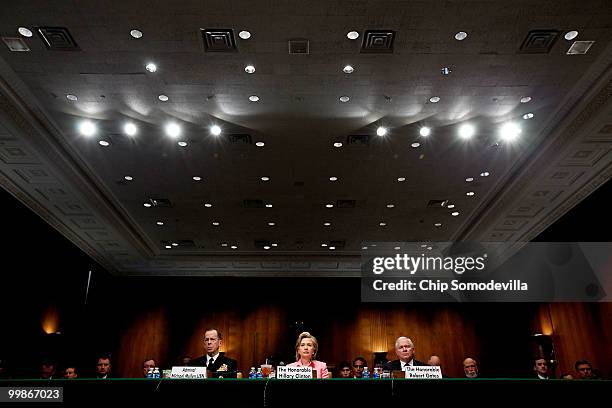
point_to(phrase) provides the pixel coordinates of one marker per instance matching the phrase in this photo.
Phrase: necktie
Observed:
(210, 364)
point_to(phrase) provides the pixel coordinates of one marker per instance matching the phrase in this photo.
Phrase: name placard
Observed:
(188, 372)
(423, 372)
(293, 373)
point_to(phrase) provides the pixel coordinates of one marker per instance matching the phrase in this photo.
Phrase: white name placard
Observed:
(188, 372)
(293, 373)
(423, 372)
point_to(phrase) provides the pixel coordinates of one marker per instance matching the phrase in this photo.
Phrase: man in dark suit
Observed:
(214, 361)
(404, 348)
(540, 367)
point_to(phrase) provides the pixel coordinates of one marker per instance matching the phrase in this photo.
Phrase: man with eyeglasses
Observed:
(358, 364)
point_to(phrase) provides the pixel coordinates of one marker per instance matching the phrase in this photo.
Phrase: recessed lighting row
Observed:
(508, 132)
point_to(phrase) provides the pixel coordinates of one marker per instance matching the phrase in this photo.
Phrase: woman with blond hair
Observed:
(305, 352)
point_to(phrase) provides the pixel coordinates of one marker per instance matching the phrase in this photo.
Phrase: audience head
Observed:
(71, 372)
(540, 366)
(434, 360)
(358, 364)
(185, 360)
(146, 364)
(584, 369)
(212, 341)
(404, 348)
(306, 347)
(344, 370)
(470, 367)
(47, 369)
(103, 366)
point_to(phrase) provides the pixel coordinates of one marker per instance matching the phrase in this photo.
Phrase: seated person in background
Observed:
(470, 368)
(404, 349)
(540, 367)
(213, 360)
(567, 376)
(434, 360)
(358, 364)
(584, 370)
(71, 372)
(306, 348)
(185, 361)
(103, 367)
(47, 370)
(148, 363)
(344, 370)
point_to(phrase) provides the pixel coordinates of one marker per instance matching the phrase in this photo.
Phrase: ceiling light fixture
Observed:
(254, 98)
(390, 205)
(415, 144)
(160, 223)
(528, 116)
(466, 131)
(266, 247)
(130, 129)
(348, 69)
(151, 67)
(352, 35)
(454, 214)
(249, 69)
(260, 144)
(329, 205)
(364, 248)
(344, 99)
(87, 128)
(163, 98)
(324, 245)
(327, 224)
(174, 244)
(72, 97)
(469, 179)
(396, 248)
(401, 179)
(333, 178)
(570, 35)
(274, 245)
(381, 131)
(182, 143)
(337, 144)
(245, 35)
(148, 205)
(434, 99)
(425, 131)
(128, 178)
(331, 248)
(268, 205)
(525, 99)
(224, 244)
(168, 247)
(264, 178)
(26, 32)
(461, 35)
(469, 193)
(382, 224)
(136, 33)
(215, 130)
(197, 178)
(173, 130)
(271, 224)
(450, 206)
(216, 223)
(484, 174)
(207, 205)
(437, 224)
(509, 132)
(104, 143)
(234, 247)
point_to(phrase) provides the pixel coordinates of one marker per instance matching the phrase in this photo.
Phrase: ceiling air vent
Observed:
(437, 203)
(345, 203)
(160, 202)
(299, 46)
(358, 140)
(57, 39)
(15, 44)
(240, 139)
(538, 42)
(253, 204)
(218, 40)
(378, 41)
(580, 47)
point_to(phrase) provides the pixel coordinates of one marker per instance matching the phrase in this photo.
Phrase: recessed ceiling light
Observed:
(396, 248)
(274, 245)
(337, 144)
(324, 245)
(331, 248)
(437, 224)
(163, 98)
(327, 224)
(423, 245)
(174, 244)
(264, 178)
(466, 131)
(382, 224)
(344, 99)
(151, 67)
(197, 178)
(260, 144)
(128, 178)
(364, 248)
(268, 205)
(215, 130)
(390, 205)
(249, 69)
(333, 179)
(352, 35)
(130, 129)
(434, 99)
(104, 143)
(234, 247)
(173, 130)
(429, 248)
(136, 33)
(469, 179)
(528, 115)
(509, 132)
(455, 213)
(182, 143)
(446, 71)
(147, 205)
(348, 69)
(329, 205)
(266, 247)
(381, 131)
(168, 247)
(461, 35)
(216, 223)
(254, 98)
(87, 128)
(570, 35)
(26, 32)
(425, 131)
(484, 174)
(207, 205)
(224, 244)
(401, 179)
(271, 224)
(469, 193)
(525, 99)
(450, 206)
(160, 223)
(245, 35)
(72, 97)
(415, 144)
